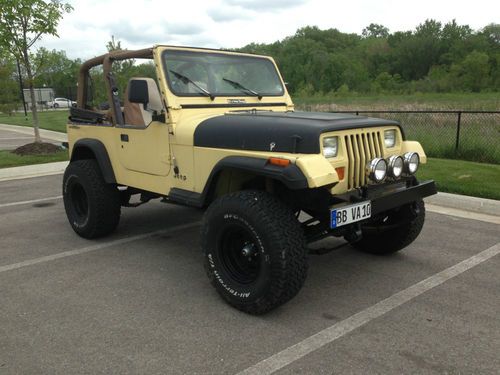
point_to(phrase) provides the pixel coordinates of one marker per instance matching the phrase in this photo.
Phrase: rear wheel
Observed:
(393, 230)
(92, 205)
(56, 105)
(255, 251)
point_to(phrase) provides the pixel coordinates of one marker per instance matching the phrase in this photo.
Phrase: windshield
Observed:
(216, 74)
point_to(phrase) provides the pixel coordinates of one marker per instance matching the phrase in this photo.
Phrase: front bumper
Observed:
(384, 201)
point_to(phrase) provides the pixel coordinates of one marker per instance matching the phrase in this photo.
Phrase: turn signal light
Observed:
(279, 162)
(340, 172)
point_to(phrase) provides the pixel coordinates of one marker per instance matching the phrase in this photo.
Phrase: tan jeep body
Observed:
(146, 161)
(272, 179)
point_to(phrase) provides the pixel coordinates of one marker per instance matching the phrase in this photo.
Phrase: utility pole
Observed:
(21, 87)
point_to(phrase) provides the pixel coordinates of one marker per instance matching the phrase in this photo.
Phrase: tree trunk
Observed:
(34, 113)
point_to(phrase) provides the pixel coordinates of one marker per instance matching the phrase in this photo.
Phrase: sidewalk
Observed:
(35, 170)
(27, 130)
(466, 203)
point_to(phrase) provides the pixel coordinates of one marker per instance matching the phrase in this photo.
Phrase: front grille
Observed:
(361, 148)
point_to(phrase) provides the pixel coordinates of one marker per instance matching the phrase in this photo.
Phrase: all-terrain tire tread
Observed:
(106, 198)
(284, 230)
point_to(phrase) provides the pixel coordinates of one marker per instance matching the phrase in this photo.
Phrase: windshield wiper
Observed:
(187, 80)
(239, 86)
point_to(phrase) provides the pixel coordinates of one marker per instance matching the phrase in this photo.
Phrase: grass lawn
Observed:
(49, 119)
(436, 132)
(418, 101)
(8, 159)
(463, 177)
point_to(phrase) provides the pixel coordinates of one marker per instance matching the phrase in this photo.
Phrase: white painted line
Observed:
(463, 214)
(88, 249)
(30, 201)
(336, 331)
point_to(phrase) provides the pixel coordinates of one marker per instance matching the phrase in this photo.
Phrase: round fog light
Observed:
(377, 169)
(411, 161)
(396, 165)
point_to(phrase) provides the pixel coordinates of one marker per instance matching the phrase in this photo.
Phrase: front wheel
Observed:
(393, 230)
(92, 205)
(255, 251)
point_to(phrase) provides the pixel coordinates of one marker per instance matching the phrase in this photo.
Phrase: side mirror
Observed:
(138, 92)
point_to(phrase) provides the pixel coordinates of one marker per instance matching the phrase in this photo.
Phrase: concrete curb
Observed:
(35, 170)
(47, 134)
(466, 203)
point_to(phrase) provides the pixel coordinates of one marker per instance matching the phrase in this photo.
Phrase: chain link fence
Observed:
(465, 135)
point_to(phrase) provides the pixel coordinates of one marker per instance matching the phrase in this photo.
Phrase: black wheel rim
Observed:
(79, 201)
(239, 254)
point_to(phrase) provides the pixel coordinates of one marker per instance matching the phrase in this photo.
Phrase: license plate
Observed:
(350, 214)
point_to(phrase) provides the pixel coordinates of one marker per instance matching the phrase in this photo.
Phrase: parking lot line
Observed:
(30, 201)
(340, 329)
(88, 249)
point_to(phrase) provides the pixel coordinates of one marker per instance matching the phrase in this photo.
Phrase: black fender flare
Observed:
(86, 148)
(291, 176)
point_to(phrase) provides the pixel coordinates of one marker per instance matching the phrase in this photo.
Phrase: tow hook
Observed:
(354, 235)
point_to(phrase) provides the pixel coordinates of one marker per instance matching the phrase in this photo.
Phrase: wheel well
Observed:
(230, 180)
(234, 173)
(81, 153)
(94, 149)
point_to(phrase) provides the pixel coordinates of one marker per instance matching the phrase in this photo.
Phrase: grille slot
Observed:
(361, 148)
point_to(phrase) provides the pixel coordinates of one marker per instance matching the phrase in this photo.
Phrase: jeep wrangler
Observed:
(217, 130)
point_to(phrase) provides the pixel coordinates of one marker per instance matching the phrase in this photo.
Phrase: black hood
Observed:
(295, 132)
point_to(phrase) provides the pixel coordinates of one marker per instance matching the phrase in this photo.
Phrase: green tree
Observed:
(433, 57)
(9, 93)
(455, 42)
(22, 24)
(413, 53)
(492, 32)
(473, 71)
(54, 69)
(375, 30)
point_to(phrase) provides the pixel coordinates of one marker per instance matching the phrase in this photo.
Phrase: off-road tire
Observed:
(92, 205)
(278, 242)
(401, 228)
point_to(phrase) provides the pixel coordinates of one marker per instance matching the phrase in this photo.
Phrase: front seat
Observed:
(135, 113)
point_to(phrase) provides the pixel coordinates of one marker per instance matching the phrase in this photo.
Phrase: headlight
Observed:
(330, 147)
(377, 169)
(390, 138)
(411, 161)
(396, 165)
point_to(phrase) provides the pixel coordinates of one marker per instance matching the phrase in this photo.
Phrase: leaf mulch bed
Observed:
(41, 148)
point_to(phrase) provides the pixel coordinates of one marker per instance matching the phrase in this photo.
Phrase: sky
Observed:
(235, 23)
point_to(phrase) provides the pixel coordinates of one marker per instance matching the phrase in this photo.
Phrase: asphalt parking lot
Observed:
(139, 302)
